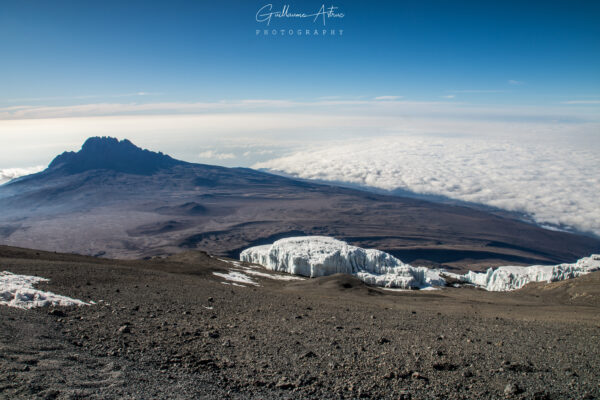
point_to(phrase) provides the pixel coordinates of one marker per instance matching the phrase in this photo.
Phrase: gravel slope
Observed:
(172, 329)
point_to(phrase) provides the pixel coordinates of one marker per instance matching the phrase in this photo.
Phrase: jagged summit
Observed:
(112, 154)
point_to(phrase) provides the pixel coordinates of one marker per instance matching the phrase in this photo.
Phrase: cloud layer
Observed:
(554, 185)
(213, 154)
(11, 173)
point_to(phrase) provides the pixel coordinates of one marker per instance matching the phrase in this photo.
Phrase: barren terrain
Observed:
(171, 328)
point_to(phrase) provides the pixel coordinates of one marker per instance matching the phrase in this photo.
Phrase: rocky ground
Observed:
(172, 329)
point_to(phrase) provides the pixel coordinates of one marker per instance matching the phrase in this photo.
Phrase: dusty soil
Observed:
(172, 329)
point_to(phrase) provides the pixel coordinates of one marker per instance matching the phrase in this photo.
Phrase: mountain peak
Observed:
(111, 154)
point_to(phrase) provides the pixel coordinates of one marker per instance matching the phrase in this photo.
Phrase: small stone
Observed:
(124, 329)
(417, 375)
(49, 394)
(404, 374)
(206, 362)
(404, 396)
(444, 366)
(512, 389)
(57, 313)
(284, 383)
(213, 334)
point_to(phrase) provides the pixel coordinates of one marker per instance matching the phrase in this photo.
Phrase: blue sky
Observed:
(509, 52)
(192, 78)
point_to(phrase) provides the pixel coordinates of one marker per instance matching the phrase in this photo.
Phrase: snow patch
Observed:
(18, 291)
(233, 284)
(235, 276)
(315, 256)
(248, 269)
(273, 276)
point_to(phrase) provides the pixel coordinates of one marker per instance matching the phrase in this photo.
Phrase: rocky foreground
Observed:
(173, 329)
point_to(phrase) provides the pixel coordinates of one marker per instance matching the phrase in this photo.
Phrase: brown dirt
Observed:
(188, 335)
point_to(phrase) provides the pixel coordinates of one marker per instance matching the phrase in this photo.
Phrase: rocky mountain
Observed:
(115, 199)
(111, 154)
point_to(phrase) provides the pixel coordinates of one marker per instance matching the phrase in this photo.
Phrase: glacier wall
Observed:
(315, 256)
(513, 277)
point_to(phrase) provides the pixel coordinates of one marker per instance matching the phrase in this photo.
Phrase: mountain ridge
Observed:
(110, 153)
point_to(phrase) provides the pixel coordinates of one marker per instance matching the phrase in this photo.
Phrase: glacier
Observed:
(514, 277)
(315, 256)
(18, 291)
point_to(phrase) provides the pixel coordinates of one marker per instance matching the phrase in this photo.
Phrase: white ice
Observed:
(232, 284)
(251, 270)
(513, 277)
(315, 256)
(273, 276)
(235, 276)
(18, 291)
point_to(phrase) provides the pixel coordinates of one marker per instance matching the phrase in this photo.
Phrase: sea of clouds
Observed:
(538, 160)
(555, 185)
(8, 174)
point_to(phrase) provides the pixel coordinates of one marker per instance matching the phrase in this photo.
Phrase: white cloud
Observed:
(479, 91)
(581, 102)
(553, 184)
(515, 83)
(84, 97)
(449, 96)
(387, 98)
(230, 128)
(178, 108)
(216, 155)
(183, 130)
(261, 152)
(11, 173)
